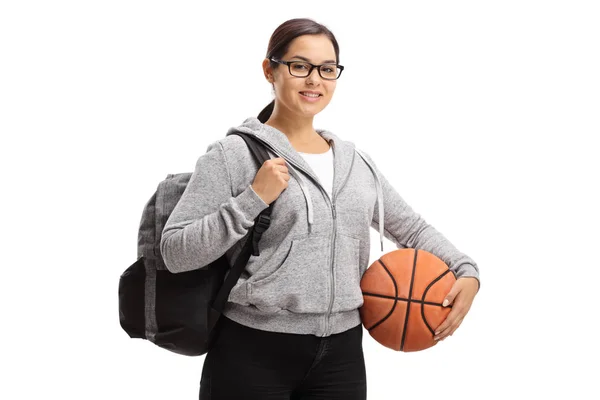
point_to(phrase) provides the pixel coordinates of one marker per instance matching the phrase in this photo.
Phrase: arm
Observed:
(207, 221)
(407, 229)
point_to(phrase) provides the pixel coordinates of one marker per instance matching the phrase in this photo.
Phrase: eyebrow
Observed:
(307, 60)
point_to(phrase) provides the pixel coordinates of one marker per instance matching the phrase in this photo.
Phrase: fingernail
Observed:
(445, 303)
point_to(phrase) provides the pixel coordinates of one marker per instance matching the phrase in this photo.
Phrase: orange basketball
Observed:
(403, 293)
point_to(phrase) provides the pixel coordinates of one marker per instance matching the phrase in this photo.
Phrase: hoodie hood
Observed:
(278, 145)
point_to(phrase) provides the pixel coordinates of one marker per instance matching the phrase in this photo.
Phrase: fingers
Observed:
(460, 307)
(279, 164)
(286, 177)
(448, 331)
(276, 160)
(443, 330)
(283, 172)
(456, 326)
(450, 324)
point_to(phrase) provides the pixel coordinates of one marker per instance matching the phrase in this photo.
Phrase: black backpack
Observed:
(180, 311)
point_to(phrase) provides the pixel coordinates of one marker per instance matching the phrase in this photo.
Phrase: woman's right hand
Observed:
(271, 179)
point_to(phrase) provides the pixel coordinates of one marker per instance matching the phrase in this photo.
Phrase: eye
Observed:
(299, 66)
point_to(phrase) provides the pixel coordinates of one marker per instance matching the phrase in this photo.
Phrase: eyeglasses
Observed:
(302, 69)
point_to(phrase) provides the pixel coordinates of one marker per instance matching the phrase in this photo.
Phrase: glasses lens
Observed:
(330, 71)
(299, 69)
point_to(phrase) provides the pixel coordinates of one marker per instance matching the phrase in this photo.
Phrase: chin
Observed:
(310, 111)
(308, 114)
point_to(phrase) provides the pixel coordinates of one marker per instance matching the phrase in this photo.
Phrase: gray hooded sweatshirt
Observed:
(306, 279)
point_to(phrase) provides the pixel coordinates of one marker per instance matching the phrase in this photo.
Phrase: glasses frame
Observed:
(312, 66)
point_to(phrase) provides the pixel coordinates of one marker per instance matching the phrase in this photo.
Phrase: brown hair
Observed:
(280, 43)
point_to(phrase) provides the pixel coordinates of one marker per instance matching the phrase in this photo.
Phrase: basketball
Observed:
(403, 293)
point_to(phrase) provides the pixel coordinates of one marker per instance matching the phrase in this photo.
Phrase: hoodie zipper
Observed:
(331, 269)
(334, 216)
(333, 241)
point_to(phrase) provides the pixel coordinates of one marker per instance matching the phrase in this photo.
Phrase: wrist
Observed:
(472, 278)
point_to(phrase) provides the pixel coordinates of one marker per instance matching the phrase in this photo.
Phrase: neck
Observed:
(297, 129)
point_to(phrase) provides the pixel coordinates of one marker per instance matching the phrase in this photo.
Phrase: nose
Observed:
(313, 76)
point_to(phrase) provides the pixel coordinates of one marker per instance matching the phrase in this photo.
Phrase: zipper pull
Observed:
(334, 214)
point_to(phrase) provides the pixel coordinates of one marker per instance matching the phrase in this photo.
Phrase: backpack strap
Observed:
(261, 224)
(263, 220)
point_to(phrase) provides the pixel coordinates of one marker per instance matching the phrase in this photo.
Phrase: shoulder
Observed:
(232, 144)
(345, 145)
(235, 154)
(224, 150)
(363, 155)
(234, 147)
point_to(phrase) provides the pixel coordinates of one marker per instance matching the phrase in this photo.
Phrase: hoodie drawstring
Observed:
(305, 191)
(379, 196)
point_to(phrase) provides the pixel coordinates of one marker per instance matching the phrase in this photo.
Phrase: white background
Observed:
(483, 115)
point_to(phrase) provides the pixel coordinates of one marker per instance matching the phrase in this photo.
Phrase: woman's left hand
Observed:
(460, 297)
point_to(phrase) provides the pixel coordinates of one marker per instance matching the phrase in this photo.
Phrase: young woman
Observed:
(291, 328)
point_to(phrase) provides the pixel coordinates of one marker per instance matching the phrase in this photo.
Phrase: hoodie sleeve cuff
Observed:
(250, 203)
(469, 271)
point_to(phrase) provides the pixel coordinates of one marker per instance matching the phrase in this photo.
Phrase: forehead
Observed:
(316, 48)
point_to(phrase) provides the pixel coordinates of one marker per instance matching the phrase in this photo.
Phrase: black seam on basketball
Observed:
(395, 296)
(423, 300)
(383, 296)
(412, 279)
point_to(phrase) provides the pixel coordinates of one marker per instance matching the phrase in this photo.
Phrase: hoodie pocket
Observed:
(348, 294)
(301, 284)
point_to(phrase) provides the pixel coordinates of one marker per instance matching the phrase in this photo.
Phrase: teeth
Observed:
(310, 94)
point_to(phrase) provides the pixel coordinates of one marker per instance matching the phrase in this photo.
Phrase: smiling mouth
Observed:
(311, 95)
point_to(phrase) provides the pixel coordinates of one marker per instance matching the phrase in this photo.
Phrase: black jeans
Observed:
(251, 364)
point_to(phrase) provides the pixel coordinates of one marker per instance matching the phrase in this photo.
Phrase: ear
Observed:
(268, 71)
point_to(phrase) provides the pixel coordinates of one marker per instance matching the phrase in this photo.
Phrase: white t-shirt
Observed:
(322, 165)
